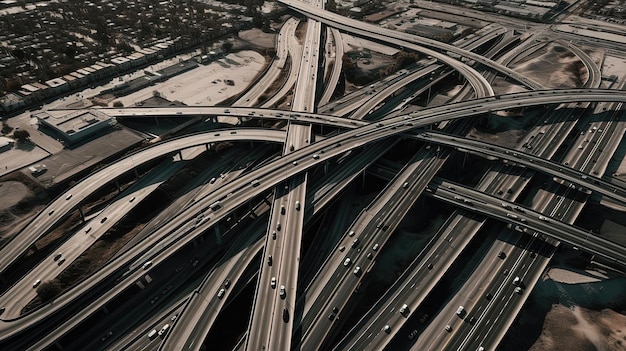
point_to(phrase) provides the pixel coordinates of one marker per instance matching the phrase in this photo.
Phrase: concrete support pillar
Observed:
(58, 345)
(117, 185)
(218, 235)
(82, 215)
(105, 309)
(180, 154)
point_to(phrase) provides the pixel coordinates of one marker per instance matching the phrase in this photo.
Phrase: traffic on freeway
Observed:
(415, 211)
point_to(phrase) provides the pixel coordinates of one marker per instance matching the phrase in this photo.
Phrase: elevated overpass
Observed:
(301, 160)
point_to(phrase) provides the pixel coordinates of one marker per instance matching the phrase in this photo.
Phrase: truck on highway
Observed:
(216, 206)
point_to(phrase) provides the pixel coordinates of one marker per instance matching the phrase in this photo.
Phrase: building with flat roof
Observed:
(77, 125)
(6, 144)
(58, 85)
(11, 102)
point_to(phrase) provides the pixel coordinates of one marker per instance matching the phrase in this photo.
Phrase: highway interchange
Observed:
(260, 210)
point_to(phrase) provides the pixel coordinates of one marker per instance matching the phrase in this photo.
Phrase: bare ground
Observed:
(581, 329)
(12, 193)
(554, 66)
(577, 306)
(257, 38)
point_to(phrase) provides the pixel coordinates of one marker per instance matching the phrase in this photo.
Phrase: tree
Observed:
(404, 59)
(331, 6)
(118, 104)
(14, 84)
(347, 63)
(21, 135)
(19, 54)
(49, 290)
(6, 129)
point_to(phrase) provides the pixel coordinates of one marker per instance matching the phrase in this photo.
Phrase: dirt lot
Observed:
(20, 200)
(581, 329)
(12, 193)
(572, 308)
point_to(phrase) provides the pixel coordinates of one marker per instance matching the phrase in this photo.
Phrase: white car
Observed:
(460, 311)
(164, 330)
(273, 283)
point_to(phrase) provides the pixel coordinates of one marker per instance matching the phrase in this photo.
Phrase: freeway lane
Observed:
(21, 293)
(279, 308)
(182, 339)
(274, 70)
(371, 229)
(558, 126)
(198, 316)
(411, 288)
(504, 101)
(336, 53)
(528, 218)
(332, 147)
(362, 102)
(599, 185)
(72, 198)
(523, 99)
(395, 37)
(295, 53)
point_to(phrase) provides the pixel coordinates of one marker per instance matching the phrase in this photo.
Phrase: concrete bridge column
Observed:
(82, 215)
(218, 235)
(58, 345)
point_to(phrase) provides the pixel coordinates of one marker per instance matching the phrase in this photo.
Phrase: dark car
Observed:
(285, 315)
